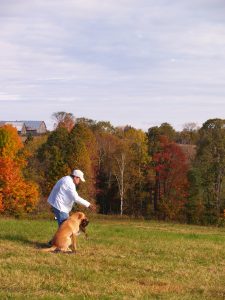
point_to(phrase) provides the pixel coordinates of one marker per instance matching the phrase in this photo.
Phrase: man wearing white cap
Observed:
(64, 194)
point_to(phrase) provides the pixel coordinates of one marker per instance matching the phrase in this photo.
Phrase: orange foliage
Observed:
(16, 194)
(10, 142)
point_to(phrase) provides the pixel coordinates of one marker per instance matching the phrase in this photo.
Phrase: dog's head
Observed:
(83, 219)
(84, 222)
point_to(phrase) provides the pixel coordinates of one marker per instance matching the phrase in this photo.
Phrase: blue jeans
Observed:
(60, 215)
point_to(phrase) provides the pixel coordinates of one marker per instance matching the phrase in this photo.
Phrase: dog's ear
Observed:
(80, 215)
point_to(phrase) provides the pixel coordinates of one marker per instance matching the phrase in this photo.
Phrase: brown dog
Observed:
(66, 234)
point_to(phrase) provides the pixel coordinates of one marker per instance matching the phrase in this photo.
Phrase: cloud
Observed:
(8, 97)
(94, 56)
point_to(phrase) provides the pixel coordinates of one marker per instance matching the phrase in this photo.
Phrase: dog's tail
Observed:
(51, 249)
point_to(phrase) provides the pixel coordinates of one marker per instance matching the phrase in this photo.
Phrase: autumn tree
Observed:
(189, 134)
(171, 175)
(17, 195)
(82, 154)
(137, 191)
(85, 121)
(120, 170)
(128, 162)
(154, 135)
(63, 120)
(104, 126)
(167, 130)
(31, 148)
(106, 186)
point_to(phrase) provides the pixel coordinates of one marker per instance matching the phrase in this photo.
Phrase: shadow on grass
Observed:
(22, 240)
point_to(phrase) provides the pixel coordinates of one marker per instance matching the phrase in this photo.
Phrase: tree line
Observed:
(161, 174)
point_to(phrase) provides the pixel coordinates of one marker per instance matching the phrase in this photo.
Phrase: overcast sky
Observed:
(135, 62)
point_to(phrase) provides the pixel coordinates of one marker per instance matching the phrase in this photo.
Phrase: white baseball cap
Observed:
(78, 173)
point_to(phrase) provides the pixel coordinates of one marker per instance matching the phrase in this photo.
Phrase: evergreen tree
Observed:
(52, 157)
(210, 163)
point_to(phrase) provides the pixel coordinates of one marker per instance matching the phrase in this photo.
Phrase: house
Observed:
(27, 127)
(35, 127)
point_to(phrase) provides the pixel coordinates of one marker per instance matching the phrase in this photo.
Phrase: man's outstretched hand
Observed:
(92, 207)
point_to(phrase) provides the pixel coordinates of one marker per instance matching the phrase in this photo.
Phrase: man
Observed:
(64, 194)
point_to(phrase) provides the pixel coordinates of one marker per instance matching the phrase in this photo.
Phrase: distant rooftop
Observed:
(32, 125)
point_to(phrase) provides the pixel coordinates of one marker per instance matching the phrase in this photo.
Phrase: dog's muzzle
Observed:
(84, 222)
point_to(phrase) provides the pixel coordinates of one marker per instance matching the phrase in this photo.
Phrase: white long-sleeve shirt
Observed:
(64, 194)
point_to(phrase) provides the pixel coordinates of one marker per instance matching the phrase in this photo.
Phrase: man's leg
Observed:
(60, 216)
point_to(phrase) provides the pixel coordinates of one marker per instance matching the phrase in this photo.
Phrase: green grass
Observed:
(122, 259)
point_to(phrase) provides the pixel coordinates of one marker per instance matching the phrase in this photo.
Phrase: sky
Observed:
(131, 62)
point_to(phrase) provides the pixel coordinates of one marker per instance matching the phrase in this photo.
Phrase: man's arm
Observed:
(87, 204)
(79, 200)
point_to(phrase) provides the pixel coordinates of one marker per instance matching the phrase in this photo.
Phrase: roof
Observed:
(32, 125)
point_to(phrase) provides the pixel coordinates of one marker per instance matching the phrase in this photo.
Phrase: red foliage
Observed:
(171, 168)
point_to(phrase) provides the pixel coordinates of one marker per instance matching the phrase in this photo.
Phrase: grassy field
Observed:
(122, 259)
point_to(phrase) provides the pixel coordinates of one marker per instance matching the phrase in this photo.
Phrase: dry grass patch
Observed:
(120, 260)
